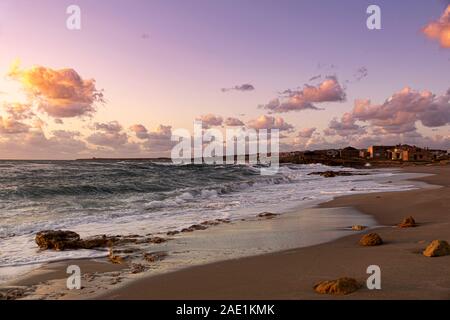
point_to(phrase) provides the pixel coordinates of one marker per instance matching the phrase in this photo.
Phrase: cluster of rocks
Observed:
(332, 174)
(342, 286)
(68, 240)
(202, 226)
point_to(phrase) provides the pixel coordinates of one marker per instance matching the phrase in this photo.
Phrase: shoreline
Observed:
(291, 274)
(53, 270)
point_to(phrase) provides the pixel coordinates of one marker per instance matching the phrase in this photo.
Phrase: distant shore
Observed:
(406, 274)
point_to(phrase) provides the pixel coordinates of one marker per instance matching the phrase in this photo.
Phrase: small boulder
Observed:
(437, 248)
(408, 222)
(358, 227)
(57, 240)
(371, 239)
(341, 286)
(267, 215)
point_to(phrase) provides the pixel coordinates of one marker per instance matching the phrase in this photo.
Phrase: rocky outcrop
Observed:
(332, 174)
(358, 227)
(57, 240)
(371, 239)
(69, 240)
(408, 222)
(341, 286)
(267, 215)
(437, 248)
(194, 227)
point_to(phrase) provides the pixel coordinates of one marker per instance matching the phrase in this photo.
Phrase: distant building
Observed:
(379, 152)
(349, 153)
(409, 153)
(438, 154)
(364, 153)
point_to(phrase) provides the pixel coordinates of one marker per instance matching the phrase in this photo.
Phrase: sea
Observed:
(142, 197)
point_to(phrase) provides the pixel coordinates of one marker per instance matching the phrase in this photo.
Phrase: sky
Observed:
(137, 70)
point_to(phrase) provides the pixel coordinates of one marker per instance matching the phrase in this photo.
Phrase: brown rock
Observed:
(358, 227)
(57, 239)
(268, 215)
(408, 222)
(340, 286)
(371, 239)
(172, 233)
(437, 248)
(137, 268)
(155, 256)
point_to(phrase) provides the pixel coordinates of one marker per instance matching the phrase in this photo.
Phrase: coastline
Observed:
(291, 274)
(255, 275)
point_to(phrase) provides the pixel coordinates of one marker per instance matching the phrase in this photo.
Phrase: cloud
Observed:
(156, 142)
(210, 120)
(243, 87)
(231, 122)
(439, 30)
(399, 114)
(361, 73)
(59, 93)
(19, 111)
(269, 122)
(403, 109)
(344, 127)
(12, 126)
(306, 133)
(108, 135)
(328, 90)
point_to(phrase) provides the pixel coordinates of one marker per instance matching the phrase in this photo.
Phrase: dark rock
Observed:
(268, 215)
(172, 233)
(155, 256)
(332, 174)
(57, 240)
(137, 268)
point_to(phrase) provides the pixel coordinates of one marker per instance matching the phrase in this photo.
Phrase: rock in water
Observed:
(57, 239)
(371, 239)
(437, 248)
(408, 222)
(358, 227)
(340, 286)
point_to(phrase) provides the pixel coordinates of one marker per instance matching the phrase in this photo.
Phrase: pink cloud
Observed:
(327, 91)
(439, 30)
(210, 120)
(269, 122)
(233, 122)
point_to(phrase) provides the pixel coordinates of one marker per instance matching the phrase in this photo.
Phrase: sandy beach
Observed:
(291, 274)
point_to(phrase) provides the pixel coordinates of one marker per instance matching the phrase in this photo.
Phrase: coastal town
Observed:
(377, 155)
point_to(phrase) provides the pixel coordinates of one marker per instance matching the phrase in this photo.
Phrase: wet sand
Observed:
(291, 274)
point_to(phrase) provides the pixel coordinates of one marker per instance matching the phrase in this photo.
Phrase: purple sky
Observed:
(161, 64)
